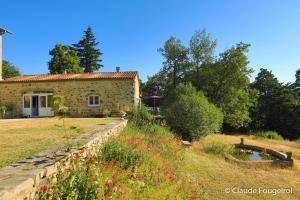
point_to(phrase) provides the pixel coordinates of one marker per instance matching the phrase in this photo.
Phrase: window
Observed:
(43, 101)
(93, 100)
(27, 101)
(50, 101)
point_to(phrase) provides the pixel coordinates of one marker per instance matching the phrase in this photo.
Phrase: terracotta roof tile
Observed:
(86, 76)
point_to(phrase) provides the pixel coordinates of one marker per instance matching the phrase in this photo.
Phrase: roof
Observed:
(3, 30)
(85, 76)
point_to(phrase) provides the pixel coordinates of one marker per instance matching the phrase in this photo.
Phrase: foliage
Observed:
(63, 59)
(226, 82)
(140, 116)
(201, 50)
(115, 151)
(217, 147)
(58, 106)
(106, 113)
(298, 142)
(157, 177)
(3, 110)
(10, 106)
(190, 114)
(175, 60)
(88, 53)
(9, 70)
(296, 85)
(156, 85)
(269, 134)
(278, 106)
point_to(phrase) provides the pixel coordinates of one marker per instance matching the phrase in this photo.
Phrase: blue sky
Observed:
(130, 32)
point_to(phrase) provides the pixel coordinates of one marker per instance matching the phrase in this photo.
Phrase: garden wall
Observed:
(23, 179)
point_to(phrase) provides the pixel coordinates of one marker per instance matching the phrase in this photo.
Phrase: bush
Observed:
(269, 134)
(3, 110)
(140, 116)
(114, 150)
(217, 147)
(106, 113)
(298, 142)
(189, 113)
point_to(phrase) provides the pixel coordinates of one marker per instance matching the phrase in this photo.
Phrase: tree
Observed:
(296, 85)
(155, 85)
(64, 59)
(190, 114)
(88, 54)
(278, 106)
(202, 48)
(225, 83)
(176, 60)
(59, 107)
(9, 70)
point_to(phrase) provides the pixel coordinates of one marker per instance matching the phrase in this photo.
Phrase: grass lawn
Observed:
(219, 174)
(161, 168)
(22, 138)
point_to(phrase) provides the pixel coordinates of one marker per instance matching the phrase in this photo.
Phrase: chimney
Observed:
(2, 31)
(118, 69)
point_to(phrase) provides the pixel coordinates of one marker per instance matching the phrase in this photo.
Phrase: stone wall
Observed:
(22, 180)
(115, 94)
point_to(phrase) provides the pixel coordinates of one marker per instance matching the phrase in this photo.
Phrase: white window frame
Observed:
(94, 97)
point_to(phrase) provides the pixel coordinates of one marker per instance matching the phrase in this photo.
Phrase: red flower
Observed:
(137, 163)
(92, 161)
(194, 196)
(98, 191)
(110, 183)
(142, 177)
(43, 188)
(154, 181)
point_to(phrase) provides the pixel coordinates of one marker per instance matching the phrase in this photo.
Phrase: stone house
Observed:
(85, 94)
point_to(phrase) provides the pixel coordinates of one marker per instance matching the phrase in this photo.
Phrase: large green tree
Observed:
(175, 60)
(63, 59)
(296, 85)
(88, 53)
(9, 70)
(278, 106)
(225, 83)
(202, 49)
(155, 85)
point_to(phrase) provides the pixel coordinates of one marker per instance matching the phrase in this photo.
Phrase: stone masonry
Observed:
(115, 94)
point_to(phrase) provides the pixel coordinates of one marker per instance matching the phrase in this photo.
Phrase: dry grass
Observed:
(22, 138)
(218, 174)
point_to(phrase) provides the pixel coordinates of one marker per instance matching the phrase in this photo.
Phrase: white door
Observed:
(43, 105)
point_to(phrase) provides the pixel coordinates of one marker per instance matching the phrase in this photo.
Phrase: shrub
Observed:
(114, 150)
(217, 147)
(106, 113)
(269, 134)
(140, 116)
(3, 110)
(189, 113)
(298, 142)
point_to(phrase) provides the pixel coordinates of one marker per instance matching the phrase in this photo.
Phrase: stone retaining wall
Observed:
(22, 180)
(285, 160)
